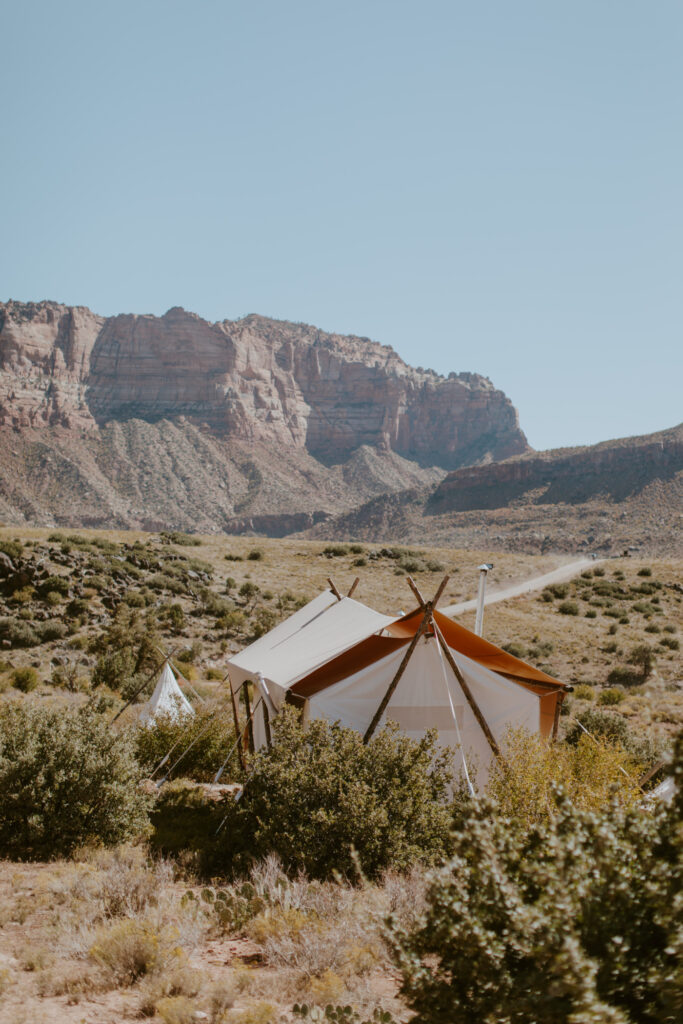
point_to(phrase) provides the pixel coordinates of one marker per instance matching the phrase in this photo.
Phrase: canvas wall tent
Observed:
(167, 699)
(449, 678)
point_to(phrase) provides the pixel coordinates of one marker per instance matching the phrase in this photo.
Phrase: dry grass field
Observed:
(113, 936)
(110, 937)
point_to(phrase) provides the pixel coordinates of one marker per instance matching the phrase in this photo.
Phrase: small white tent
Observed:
(167, 699)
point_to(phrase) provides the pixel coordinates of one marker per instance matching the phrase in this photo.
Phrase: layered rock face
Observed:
(247, 426)
(252, 380)
(613, 470)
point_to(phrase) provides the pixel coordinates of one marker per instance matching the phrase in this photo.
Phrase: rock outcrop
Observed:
(249, 425)
(612, 470)
(253, 380)
(606, 498)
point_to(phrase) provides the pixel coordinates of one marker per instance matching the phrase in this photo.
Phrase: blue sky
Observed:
(487, 186)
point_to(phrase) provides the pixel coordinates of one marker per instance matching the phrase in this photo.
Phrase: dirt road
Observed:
(565, 572)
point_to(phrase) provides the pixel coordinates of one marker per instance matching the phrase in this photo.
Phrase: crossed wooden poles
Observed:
(428, 607)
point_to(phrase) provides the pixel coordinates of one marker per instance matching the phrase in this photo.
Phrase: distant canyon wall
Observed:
(253, 380)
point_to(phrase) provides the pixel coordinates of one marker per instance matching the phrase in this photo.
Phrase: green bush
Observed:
(255, 555)
(591, 613)
(335, 550)
(611, 695)
(517, 650)
(645, 572)
(209, 734)
(25, 679)
(671, 642)
(51, 629)
(643, 748)
(320, 793)
(65, 780)
(19, 634)
(568, 608)
(558, 590)
(584, 692)
(184, 540)
(12, 548)
(622, 676)
(573, 920)
(53, 585)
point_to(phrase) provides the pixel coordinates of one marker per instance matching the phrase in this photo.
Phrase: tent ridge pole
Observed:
(469, 697)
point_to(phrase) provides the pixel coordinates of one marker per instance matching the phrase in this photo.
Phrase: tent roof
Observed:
(399, 633)
(315, 634)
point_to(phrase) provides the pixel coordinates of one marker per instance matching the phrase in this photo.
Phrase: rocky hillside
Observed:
(607, 498)
(253, 424)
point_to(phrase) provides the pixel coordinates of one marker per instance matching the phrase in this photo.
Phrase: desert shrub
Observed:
(584, 692)
(643, 657)
(129, 949)
(209, 734)
(255, 555)
(164, 581)
(643, 749)
(358, 563)
(574, 919)
(591, 613)
(128, 652)
(54, 585)
(335, 550)
(216, 674)
(51, 629)
(671, 642)
(233, 558)
(670, 628)
(568, 608)
(18, 633)
(320, 791)
(517, 650)
(645, 572)
(12, 548)
(523, 783)
(598, 571)
(611, 695)
(184, 540)
(356, 549)
(25, 679)
(558, 590)
(65, 780)
(79, 606)
(622, 676)
(546, 596)
(262, 622)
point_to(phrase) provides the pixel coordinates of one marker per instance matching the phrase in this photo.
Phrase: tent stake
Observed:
(476, 710)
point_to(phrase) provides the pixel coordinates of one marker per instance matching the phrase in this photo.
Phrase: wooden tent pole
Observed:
(238, 731)
(413, 586)
(395, 681)
(476, 710)
(247, 708)
(333, 588)
(353, 586)
(426, 618)
(556, 717)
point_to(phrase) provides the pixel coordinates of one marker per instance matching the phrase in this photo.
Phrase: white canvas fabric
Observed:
(665, 791)
(318, 632)
(167, 699)
(429, 696)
